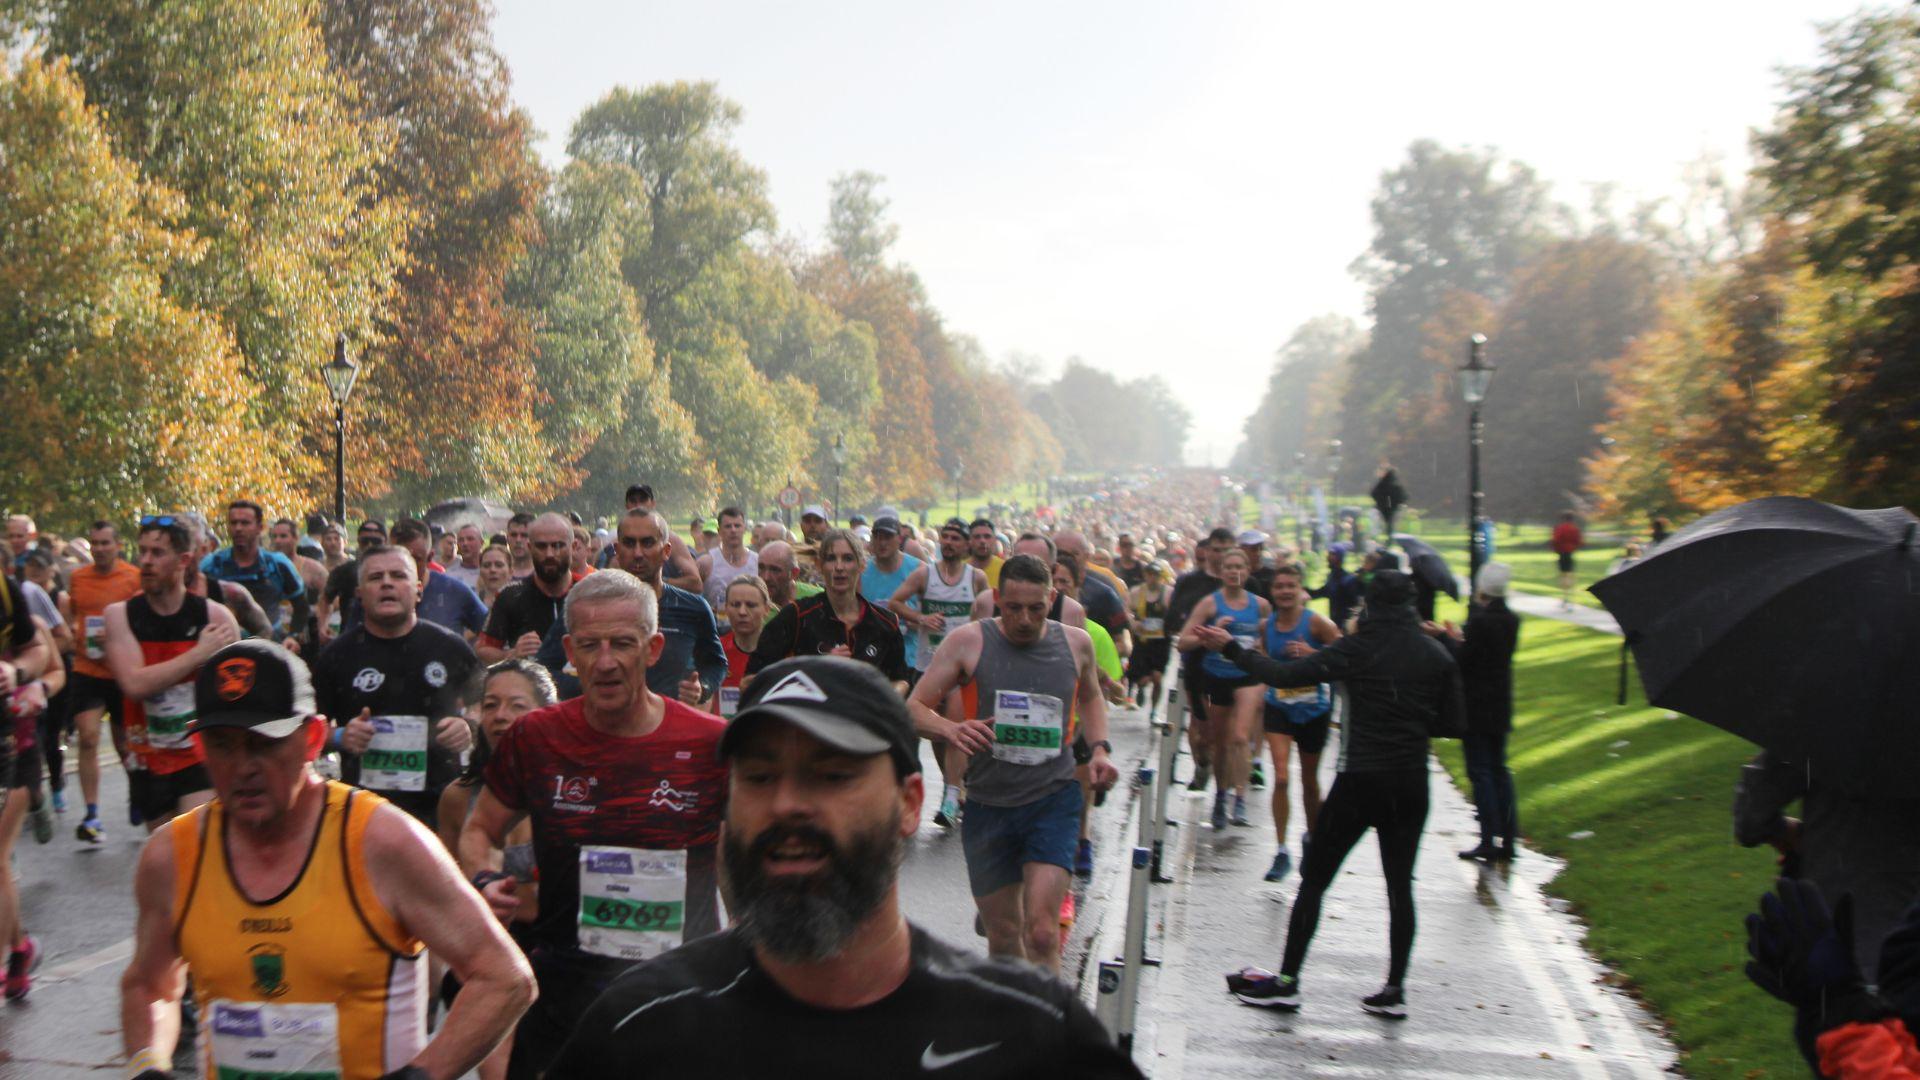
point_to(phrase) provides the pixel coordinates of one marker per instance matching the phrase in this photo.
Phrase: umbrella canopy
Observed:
(1428, 564)
(1792, 623)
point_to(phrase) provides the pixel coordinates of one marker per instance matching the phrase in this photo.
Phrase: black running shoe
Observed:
(1264, 989)
(1390, 1002)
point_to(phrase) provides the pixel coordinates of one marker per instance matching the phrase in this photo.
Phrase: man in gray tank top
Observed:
(1024, 678)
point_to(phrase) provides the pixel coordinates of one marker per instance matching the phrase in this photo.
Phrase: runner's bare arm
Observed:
(1323, 630)
(983, 603)
(484, 835)
(155, 977)
(951, 666)
(30, 661)
(136, 677)
(915, 584)
(681, 573)
(418, 883)
(245, 609)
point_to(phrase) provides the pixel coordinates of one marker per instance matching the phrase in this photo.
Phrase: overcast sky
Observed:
(1169, 187)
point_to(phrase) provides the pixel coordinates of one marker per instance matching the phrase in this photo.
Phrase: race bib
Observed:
(396, 759)
(275, 1042)
(334, 620)
(94, 637)
(957, 613)
(1303, 695)
(1246, 641)
(1027, 728)
(1152, 626)
(632, 901)
(168, 714)
(729, 701)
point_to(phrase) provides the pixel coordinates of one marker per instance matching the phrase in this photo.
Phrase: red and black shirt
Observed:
(809, 627)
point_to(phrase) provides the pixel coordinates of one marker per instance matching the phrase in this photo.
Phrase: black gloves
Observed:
(1800, 953)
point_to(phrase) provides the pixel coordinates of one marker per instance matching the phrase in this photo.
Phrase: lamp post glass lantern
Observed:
(339, 375)
(1474, 377)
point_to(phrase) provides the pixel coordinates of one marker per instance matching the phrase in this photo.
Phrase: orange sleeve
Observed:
(1883, 1050)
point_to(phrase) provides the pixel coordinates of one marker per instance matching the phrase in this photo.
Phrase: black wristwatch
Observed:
(487, 877)
(1101, 745)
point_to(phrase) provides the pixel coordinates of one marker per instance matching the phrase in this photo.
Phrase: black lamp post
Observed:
(1300, 503)
(1333, 483)
(839, 465)
(339, 375)
(1474, 378)
(959, 470)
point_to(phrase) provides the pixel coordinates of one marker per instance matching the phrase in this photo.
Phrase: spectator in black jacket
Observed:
(1402, 689)
(1484, 651)
(1341, 590)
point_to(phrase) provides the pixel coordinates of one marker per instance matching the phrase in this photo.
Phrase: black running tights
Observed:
(1394, 805)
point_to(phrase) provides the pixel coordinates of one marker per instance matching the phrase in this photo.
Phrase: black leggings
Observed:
(1394, 805)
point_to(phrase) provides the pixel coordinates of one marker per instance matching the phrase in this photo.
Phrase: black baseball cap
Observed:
(888, 525)
(373, 525)
(844, 703)
(954, 525)
(253, 684)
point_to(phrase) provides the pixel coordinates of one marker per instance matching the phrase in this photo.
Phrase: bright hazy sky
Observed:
(1169, 187)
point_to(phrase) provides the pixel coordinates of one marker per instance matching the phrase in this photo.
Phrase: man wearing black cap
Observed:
(624, 789)
(1403, 688)
(821, 974)
(301, 908)
(340, 601)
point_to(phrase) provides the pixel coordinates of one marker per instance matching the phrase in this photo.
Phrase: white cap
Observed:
(816, 510)
(864, 533)
(1493, 579)
(1252, 538)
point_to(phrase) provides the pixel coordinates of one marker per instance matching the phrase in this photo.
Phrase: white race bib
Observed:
(1247, 641)
(94, 637)
(1028, 729)
(729, 701)
(633, 901)
(270, 1042)
(1153, 626)
(396, 759)
(168, 714)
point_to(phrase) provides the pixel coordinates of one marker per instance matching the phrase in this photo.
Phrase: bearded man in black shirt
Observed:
(821, 972)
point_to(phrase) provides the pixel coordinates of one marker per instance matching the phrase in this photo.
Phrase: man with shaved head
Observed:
(1102, 594)
(528, 608)
(783, 585)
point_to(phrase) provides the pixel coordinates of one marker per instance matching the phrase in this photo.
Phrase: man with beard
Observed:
(624, 789)
(397, 684)
(980, 550)
(528, 608)
(821, 970)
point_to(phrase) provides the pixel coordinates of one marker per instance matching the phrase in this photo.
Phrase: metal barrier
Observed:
(1119, 987)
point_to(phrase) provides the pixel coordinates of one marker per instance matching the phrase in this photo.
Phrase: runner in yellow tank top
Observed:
(302, 908)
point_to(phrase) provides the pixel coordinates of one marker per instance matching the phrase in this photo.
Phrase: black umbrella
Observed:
(1428, 565)
(1793, 624)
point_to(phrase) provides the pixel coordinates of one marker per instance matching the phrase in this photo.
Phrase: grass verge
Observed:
(1659, 882)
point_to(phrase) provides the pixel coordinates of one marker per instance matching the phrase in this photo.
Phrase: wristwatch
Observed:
(487, 877)
(1102, 745)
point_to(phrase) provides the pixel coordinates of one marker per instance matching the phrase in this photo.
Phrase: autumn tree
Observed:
(125, 400)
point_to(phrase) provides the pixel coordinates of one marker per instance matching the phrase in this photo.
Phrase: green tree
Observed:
(1297, 412)
(233, 104)
(1445, 221)
(856, 221)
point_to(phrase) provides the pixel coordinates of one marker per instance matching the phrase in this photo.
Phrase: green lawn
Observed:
(1660, 883)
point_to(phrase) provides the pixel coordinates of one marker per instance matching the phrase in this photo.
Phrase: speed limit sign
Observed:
(790, 498)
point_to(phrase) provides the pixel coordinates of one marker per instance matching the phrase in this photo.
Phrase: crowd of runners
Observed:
(531, 800)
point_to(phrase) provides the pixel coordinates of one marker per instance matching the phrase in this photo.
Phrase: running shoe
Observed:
(1390, 1002)
(134, 817)
(1482, 852)
(948, 815)
(1282, 865)
(1257, 779)
(1240, 817)
(59, 802)
(1083, 859)
(20, 967)
(1201, 775)
(1066, 910)
(1220, 810)
(42, 817)
(90, 831)
(1257, 986)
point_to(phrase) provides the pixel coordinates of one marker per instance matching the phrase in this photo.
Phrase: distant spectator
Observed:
(1567, 540)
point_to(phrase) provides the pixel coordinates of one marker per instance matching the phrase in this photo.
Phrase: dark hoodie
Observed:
(1402, 686)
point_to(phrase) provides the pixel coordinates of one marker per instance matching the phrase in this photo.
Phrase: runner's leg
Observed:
(87, 748)
(1282, 746)
(1002, 914)
(1044, 886)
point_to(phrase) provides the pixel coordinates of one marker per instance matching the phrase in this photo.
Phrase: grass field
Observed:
(1660, 883)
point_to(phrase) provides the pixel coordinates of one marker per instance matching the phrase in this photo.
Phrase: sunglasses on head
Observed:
(161, 520)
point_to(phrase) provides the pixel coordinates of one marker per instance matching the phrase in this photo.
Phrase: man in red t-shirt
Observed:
(625, 791)
(1566, 541)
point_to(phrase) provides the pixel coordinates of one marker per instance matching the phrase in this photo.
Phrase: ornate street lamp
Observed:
(339, 375)
(839, 464)
(1474, 378)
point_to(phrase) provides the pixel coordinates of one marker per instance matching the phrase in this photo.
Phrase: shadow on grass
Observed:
(1660, 883)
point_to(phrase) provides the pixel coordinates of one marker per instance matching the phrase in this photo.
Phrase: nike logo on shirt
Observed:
(931, 1061)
